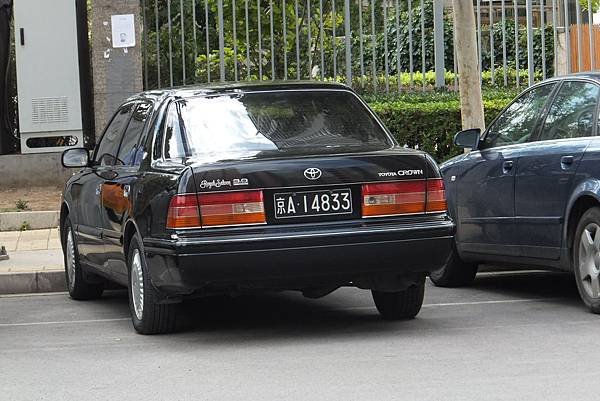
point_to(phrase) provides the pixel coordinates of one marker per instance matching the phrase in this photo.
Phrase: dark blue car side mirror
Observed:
(468, 138)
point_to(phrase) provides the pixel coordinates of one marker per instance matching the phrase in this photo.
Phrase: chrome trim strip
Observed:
(437, 225)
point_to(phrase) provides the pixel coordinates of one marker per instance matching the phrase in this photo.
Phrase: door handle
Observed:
(507, 166)
(98, 189)
(566, 160)
(126, 190)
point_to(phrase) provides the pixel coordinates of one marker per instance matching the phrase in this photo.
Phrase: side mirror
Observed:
(468, 138)
(75, 157)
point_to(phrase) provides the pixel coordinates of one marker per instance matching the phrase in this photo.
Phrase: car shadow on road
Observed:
(287, 316)
(282, 314)
(529, 284)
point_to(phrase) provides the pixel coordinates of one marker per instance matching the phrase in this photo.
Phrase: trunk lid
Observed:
(310, 171)
(293, 184)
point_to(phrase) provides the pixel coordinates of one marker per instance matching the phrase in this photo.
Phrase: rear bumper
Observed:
(293, 260)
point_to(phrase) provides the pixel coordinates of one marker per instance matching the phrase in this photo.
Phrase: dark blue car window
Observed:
(572, 112)
(517, 123)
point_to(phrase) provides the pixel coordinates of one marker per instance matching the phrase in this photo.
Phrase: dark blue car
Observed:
(528, 191)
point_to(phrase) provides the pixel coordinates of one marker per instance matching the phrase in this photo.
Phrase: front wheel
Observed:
(586, 258)
(400, 305)
(79, 288)
(147, 314)
(455, 272)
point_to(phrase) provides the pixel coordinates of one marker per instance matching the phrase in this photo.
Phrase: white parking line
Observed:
(64, 322)
(35, 294)
(499, 301)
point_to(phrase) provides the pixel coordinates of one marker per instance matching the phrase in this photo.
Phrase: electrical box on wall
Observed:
(48, 85)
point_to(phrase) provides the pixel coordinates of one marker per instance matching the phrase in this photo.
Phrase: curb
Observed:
(34, 282)
(13, 221)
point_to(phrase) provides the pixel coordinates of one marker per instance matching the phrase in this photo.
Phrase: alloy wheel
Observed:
(137, 284)
(589, 260)
(71, 266)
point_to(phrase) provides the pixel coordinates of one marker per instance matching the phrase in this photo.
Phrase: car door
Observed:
(88, 190)
(485, 184)
(545, 171)
(116, 191)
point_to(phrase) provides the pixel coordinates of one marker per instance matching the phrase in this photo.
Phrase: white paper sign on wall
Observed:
(123, 30)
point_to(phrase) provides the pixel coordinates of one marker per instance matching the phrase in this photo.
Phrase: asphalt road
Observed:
(510, 337)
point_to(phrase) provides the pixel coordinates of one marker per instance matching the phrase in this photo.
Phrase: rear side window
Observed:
(572, 112)
(129, 148)
(106, 154)
(304, 122)
(517, 123)
(173, 136)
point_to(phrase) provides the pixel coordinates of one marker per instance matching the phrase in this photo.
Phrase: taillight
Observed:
(436, 196)
(232, 208)
(393, 198)
(218, 209)
(404, 197)
(183, 212)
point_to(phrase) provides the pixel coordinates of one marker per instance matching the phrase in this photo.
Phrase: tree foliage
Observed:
(182, 44)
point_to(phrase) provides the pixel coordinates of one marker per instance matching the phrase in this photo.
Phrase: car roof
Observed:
(244, 87)
(591, 75)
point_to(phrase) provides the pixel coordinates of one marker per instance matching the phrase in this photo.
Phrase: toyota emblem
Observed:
(312, 173)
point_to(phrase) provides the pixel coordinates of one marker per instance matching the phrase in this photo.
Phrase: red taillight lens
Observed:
(436, 196)
(183, 212)
(393, 198)
(232, 208)
(406, 197)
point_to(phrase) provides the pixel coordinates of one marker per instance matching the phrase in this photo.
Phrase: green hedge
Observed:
(429, 121)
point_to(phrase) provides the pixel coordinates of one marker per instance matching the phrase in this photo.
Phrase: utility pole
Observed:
(469, 78)
(6, 134)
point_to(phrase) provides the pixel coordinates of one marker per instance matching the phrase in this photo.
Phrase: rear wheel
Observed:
(586, 258)
(148, 316)
(399, 305)
(77, 285)
(455, 273)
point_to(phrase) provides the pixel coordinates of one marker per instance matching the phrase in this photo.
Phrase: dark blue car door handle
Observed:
(507, 166)
(566, 161)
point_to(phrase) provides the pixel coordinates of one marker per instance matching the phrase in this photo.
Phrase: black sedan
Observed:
(225, 189)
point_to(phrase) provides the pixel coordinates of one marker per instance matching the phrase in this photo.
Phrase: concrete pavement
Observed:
(509, 337)
(35, 262)
(31, 240)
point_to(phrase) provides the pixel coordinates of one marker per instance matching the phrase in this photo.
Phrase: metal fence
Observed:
(373, 45)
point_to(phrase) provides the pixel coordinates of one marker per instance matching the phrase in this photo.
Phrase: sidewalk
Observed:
(35, 263)
(34, 240)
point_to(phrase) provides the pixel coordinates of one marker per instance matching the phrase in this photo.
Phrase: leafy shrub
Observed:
(364, 84)
(22, 205)
(429, 121)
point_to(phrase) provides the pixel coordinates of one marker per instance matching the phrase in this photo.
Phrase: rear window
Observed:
(303, 121)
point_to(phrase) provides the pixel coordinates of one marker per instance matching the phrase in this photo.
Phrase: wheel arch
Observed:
(130, 230)
(585, 196)
(62, 217)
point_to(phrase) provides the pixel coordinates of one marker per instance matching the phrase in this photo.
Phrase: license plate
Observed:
(313, 203)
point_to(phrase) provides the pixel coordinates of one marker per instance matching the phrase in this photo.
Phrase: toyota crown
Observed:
(229, 189)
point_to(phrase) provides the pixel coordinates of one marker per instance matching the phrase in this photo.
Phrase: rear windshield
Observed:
(300, 121)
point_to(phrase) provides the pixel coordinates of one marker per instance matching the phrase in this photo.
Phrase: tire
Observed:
(78, 287)
(455, 273)
(147, 315)
(586, 258)
(400, 305)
